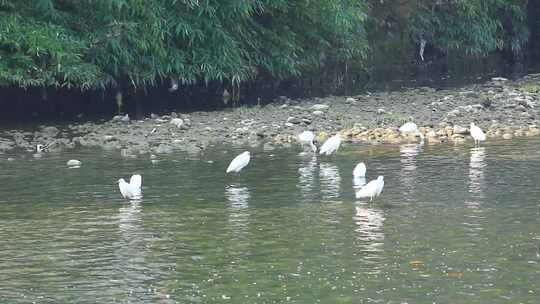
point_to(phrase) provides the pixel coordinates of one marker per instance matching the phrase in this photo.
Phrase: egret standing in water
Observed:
(239, 162)
(373, 189)
(307, 137)
(411, 128)
(131, 190)
(359, 175)
(331, 145)
(477, 134)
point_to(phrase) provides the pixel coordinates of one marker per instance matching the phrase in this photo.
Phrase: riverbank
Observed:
(503, 108)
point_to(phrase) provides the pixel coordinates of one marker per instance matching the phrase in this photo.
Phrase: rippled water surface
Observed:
(454, 225)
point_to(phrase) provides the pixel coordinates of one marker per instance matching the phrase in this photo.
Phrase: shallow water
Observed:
(454, 225)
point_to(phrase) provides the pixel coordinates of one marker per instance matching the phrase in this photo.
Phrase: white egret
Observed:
(372, 189)
(477, 134)
(131, 190)
(408, 127)
(41, 148)
(331, 145)
(411, 128)
(307, 137)
(239, 162)
(359, 170)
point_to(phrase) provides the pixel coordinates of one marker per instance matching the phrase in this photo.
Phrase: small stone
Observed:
(350, 100)
(507, 136)
(178, 122)
(318, 113)
(533, 131)
(320, 107)
(74, 162)
(293, 120)
(460, 130)
(381, 111)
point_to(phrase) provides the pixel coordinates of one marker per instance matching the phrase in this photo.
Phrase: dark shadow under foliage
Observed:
(74, 56)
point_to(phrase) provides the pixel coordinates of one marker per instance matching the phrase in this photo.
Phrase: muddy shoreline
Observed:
(503, 108)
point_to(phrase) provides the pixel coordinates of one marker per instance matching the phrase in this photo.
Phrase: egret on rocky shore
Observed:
(373, 189)
(239, 162)
(307, 137)
(131, 190)
(411, 128)
(331, 145)
(477, 134)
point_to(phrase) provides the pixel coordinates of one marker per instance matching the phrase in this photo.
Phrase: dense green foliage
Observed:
(474, 27)
(135, 43)
(99, 43)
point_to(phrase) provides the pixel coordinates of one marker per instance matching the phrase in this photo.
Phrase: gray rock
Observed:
(320, 107)
(178, 122)
(120, 118)
(460, 130)
(318, 113)
(293, 120)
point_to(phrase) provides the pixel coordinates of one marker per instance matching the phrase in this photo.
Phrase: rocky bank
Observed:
(503, 108)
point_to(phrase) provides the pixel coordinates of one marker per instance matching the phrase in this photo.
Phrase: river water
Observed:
(453, 225)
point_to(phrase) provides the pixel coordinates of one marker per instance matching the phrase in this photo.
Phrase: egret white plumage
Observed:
(411, 128)
(359, 170)
(408, 127)
(477, 134)
(307, 137)
(331, 145)
(131, 190)
(372, 189)
(239, 162)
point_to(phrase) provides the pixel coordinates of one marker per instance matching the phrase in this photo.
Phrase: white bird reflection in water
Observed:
(306, 178)
(369, 235)
(129, 219)
(330, 180)
(132, 249)
(474, 219)
(238, 197)
(408, 155)
(476, 170)
(359, 181)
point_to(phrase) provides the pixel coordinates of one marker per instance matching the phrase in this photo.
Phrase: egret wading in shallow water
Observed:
(239, 162)
(331, 145)
(131, 190)
(373, 189)
(307, 137)
(411, 128)
(477, 134)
